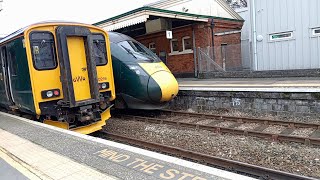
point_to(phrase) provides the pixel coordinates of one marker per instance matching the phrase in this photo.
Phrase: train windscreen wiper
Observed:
(129, 51)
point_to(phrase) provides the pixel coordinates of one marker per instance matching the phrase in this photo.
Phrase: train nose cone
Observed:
(162, 86)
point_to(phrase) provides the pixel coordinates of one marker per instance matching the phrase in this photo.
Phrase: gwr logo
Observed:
(79, 79)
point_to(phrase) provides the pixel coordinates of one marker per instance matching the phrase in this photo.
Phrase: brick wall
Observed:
(183, 62)
(180, 63)
(232, 50)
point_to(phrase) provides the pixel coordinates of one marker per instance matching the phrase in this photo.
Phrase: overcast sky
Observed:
(20, 13)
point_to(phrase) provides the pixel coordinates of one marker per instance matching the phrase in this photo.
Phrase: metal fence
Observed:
(225, 58)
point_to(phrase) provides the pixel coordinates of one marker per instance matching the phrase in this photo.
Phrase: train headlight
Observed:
(138, 70)
(52, 93)
(49, 94)
(103, 86)
(133, 67)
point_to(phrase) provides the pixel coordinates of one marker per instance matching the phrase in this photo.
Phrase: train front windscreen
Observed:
(139, 51)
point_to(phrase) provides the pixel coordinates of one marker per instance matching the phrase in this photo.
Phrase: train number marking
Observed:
(79, 79)
(102, 79)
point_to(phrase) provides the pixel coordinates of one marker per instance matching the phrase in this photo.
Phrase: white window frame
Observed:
(314, 31)
(152, 48)
(281, 39)
(183, 46)
(172, 46)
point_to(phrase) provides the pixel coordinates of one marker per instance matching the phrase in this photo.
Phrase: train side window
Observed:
(13, 61)
(1, 58)
(43, 50)
(3, 55)
(99, 50)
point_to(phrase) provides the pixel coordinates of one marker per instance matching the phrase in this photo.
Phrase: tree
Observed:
(235, 4)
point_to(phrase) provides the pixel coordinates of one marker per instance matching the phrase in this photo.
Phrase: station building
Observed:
(200, 30)
(284, 35)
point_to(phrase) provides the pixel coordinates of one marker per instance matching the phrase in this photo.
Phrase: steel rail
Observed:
(231, 165)
(246, 119)
(217, 129)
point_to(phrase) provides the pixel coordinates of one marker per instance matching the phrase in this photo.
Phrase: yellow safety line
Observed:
(21, 166)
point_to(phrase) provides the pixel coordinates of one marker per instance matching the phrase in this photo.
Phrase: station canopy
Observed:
(170, 14)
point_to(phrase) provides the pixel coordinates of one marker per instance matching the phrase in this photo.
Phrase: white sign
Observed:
(169, 34)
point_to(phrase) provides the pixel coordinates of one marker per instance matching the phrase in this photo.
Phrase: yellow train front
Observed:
(59, 72)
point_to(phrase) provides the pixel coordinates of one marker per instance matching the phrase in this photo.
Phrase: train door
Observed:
(5, 85)
(78, 68)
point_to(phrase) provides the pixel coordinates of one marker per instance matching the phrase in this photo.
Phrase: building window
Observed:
(316, 31)
(186, 43)
(174, 45)
(281, 36)
(152, 47)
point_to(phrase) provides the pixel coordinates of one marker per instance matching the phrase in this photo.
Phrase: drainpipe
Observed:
(254, 29)
(194, 53)
(212, 34)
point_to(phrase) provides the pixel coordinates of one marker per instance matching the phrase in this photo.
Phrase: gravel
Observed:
(304, 132)
(274, 129)
(290, 157)
(173, 118)
(261, 115)
(225, 124)
(189, 120)
(205, 122)
(248, 126)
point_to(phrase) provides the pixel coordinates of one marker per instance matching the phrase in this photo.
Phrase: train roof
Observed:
(20, 31)
(116, 37)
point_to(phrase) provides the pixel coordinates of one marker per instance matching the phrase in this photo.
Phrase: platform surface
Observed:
(52, 153)
(251, 84)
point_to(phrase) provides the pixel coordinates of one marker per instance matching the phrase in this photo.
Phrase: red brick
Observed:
(184, 63)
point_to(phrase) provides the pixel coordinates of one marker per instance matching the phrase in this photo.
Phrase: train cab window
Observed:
(43, 50)
(139, 51)
(99, 50)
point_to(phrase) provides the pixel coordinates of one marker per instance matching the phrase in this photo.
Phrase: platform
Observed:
(40, 151)
(300, 84)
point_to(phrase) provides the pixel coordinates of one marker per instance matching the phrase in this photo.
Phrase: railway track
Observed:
(176, 118)
(234, 166)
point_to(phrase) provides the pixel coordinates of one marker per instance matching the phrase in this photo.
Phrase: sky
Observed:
(16, 14)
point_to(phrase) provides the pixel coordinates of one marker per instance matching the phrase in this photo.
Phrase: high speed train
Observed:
(142, 80)
(60, 73)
